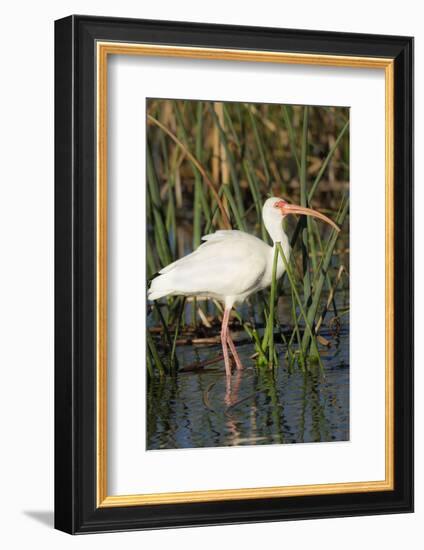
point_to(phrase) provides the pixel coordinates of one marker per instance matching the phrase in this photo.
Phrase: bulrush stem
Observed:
(198, 166)
(270, 325)
(305, 222)
(322, 270)
(299, 302)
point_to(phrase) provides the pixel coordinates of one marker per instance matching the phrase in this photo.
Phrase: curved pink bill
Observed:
(301, 210)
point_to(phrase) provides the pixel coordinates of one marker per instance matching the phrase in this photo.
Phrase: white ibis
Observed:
(230, 266)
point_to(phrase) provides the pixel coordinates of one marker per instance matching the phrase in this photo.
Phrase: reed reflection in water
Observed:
(193, 409)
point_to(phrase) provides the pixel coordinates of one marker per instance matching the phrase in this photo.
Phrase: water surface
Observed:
(195, 409)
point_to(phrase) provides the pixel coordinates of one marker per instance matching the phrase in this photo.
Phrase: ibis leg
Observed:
(224, 340)
(236, 356)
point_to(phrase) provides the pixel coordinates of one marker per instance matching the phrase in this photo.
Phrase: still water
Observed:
(195, 409)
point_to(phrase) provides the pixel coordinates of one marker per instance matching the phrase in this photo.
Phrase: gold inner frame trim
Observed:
(103, 50)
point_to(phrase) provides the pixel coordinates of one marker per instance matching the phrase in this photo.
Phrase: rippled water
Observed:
(195, 409)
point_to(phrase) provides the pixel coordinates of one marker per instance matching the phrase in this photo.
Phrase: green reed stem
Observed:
(164, 326)
(153, 350)
(197, 202)
(259, 144)
(318, 286)
(197, 164)
(149, 365)
(230, 161)
(270, 324)
(255, 191)
(326, 161)
(296, 330)
(159, 225)
(173, 359)
(171, 221)
(317, 181)
(229, 123)
(151, 264)
(292, 139)
(304, 202)
(327, 276)
(300, 305)
(236, 212)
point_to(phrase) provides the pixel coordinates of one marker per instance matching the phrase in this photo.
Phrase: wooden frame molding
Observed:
(104, 50)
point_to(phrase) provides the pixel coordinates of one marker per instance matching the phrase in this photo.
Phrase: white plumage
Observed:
(230, 266)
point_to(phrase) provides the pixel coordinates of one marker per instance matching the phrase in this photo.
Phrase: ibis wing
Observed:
(229, 236)
(228, 263)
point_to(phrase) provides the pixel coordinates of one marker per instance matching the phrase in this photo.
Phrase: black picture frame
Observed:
(76, 510)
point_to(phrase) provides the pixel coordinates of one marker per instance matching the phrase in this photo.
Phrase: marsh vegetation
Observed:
(211, 166)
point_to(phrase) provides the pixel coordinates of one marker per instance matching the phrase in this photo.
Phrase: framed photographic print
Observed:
(234, 274)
